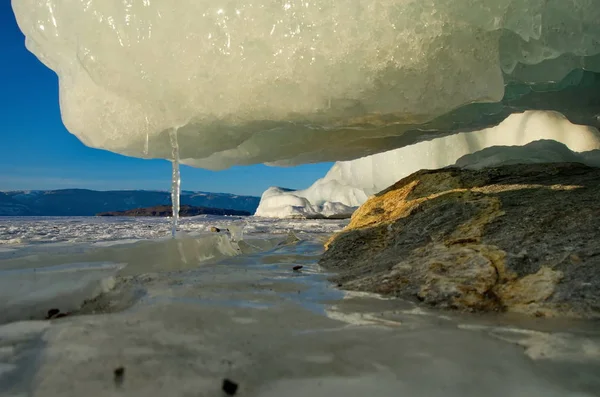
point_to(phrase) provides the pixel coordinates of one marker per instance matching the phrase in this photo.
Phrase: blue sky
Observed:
(37, 152)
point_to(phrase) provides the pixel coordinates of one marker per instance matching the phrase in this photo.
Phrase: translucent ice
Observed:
(29, 293)
(175, 182)
(297, 81)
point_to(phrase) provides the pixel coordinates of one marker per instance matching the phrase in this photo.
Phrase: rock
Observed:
(119, 375)
(167, 210)
(51, 313)
(229, 387)
(215, 229)
(518, 238)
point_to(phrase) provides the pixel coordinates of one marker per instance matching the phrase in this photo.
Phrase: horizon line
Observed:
(123, 190)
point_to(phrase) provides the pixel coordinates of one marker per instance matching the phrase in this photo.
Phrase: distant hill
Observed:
(167, 210)
(83, 202)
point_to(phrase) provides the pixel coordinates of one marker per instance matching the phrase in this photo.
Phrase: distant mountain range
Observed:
(83, 202)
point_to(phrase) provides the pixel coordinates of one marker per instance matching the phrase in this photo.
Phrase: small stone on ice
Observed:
(296, 268)
(52, 313)
(229, 387)
(119, 374)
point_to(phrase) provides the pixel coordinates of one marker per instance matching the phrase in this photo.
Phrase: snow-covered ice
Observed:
(348, 184)
(179, 323)
(284, 203)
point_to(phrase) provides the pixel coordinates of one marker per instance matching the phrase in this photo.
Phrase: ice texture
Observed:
(289, 82)
(348, 184)
(30, 293)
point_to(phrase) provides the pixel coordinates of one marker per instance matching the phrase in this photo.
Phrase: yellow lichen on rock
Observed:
(384, 208)
(400, 200)
(458, 277)
(525, 294)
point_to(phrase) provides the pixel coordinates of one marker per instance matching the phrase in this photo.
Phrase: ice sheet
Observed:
(180, 328)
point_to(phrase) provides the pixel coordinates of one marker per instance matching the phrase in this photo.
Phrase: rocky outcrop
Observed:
(519, 238)
(166, 210)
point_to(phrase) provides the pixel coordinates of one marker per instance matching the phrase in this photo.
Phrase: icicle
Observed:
(175, 181)
(146, 143)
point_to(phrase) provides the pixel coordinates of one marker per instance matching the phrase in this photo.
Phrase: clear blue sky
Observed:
(37, 152)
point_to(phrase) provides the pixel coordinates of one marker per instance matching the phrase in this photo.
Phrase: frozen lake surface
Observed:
(180, 315)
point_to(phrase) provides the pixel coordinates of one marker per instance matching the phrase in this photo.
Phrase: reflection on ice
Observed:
(360, 318)
(543, 345)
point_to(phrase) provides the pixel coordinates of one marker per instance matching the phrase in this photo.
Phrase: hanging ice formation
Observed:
(175, 180)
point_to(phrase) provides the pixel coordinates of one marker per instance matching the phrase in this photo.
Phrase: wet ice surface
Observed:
(181, 315)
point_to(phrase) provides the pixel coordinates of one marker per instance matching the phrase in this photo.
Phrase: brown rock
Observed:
(520, 238)
(167, 210)
(215, 229)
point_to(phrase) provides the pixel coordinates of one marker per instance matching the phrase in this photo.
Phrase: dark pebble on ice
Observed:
(229, 387)
(119, 374)
(296, 268)
(52, 313)
(215, 229)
